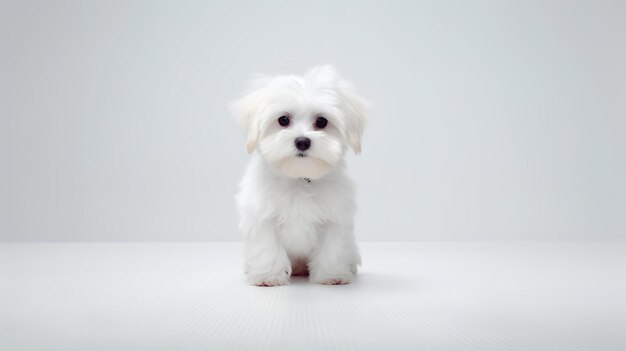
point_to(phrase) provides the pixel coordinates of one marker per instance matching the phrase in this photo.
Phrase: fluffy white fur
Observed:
(292, 225)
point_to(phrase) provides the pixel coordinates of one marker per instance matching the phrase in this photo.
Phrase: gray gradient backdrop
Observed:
(492, 120)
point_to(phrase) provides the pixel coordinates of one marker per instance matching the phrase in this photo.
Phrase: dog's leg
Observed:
(335, 260)
(267, 263)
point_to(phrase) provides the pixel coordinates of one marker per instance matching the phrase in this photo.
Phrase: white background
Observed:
(491, 120)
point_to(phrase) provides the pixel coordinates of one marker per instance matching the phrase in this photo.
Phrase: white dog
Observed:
(296, 201)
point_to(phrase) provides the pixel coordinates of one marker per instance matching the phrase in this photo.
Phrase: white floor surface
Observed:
(408, 296)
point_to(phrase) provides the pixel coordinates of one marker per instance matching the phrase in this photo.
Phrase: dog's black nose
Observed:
(303, 143)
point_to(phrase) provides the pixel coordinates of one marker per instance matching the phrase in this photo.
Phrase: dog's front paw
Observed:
(333, 279)
(269, 280)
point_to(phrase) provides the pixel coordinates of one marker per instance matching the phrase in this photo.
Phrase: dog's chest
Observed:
(301, 217)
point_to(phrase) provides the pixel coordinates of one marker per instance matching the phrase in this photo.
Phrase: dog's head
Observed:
(302, 126)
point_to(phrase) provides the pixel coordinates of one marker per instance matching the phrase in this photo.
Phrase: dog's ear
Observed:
(355, 109)
(247, 110)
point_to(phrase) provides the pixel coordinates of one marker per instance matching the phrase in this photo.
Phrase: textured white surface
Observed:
(429, 296)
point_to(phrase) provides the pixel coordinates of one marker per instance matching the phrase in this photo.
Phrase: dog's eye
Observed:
(321, 122)
(283, 121)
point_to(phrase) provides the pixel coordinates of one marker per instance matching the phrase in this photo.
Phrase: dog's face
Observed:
(302, 126)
